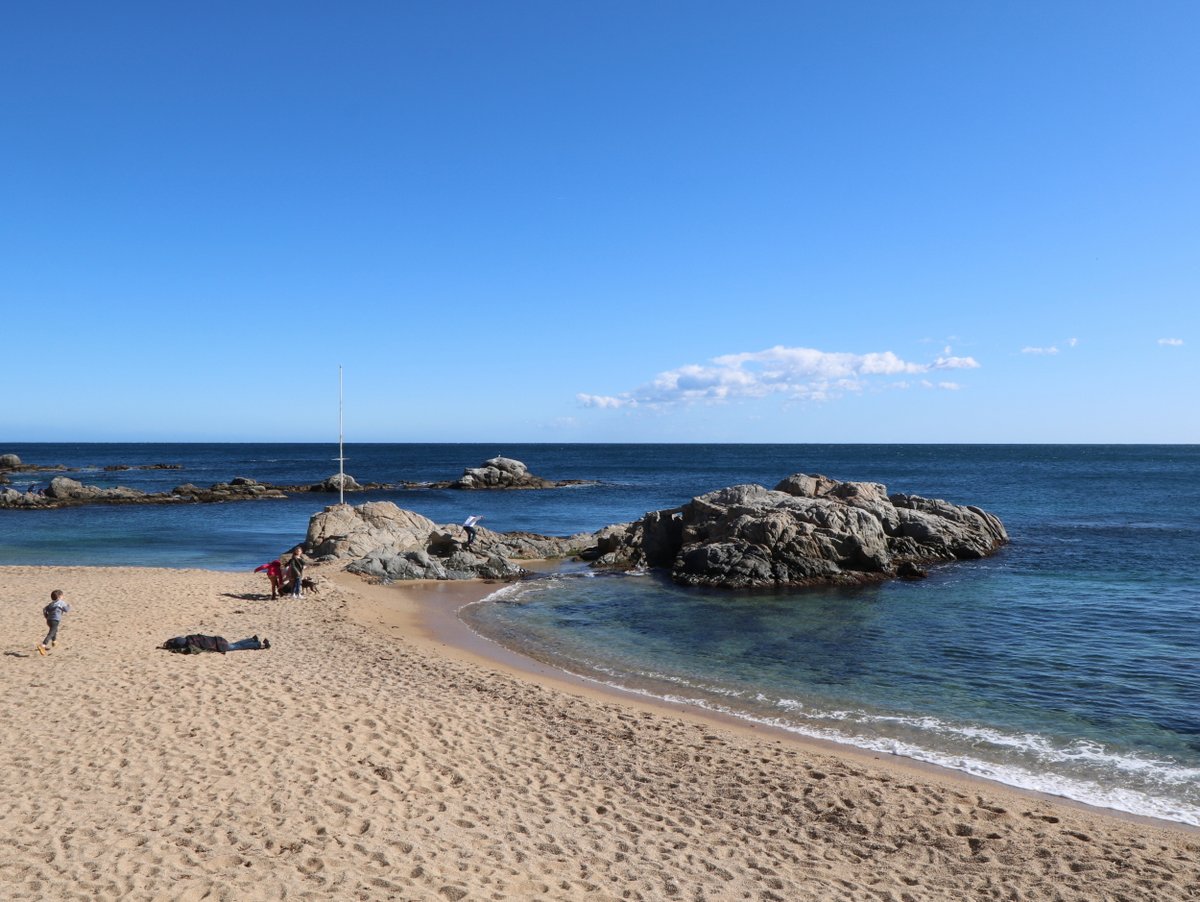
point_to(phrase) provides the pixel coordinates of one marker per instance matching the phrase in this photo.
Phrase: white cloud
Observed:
(1171, 342)
(605, 401)
(1052, 349)
(794, 373)
(956, 363)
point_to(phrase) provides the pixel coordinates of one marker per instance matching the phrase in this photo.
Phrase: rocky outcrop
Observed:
(9, 462)
(63, 488)
(808, 530)
(505, 473)
(383, 541)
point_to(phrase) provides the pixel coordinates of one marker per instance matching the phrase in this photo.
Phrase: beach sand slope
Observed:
(350, 761)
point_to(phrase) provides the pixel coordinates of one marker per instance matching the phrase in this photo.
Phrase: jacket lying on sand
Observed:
(197, 643)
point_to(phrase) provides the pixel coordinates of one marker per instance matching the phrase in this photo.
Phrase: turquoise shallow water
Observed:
(1068, 663)
(951, 671)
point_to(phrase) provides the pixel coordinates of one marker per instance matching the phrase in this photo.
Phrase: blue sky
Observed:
(618, 221)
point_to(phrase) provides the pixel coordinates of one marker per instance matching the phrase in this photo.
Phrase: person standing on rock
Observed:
(469, 526)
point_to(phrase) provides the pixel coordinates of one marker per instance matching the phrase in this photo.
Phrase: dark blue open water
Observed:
(1068, 663)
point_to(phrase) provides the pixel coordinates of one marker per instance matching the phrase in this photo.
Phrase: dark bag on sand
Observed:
(196, 643)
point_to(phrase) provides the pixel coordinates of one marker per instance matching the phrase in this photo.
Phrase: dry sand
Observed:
(359, 759)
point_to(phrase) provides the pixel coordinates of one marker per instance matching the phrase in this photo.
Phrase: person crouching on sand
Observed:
(53, 613)
(275, 575)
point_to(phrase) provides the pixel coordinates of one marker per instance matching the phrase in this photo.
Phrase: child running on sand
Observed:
(53, 613)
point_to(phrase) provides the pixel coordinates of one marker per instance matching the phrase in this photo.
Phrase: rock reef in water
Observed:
(12, 463)
(66, 492)
(808, 530)
(385, 542)
(497, 473)
(63, 491)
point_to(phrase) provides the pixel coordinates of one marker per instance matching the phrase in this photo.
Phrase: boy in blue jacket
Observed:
(53, 613)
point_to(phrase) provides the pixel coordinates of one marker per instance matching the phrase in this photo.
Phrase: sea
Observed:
(1068, 663)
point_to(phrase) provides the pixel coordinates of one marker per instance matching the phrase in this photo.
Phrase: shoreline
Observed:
(427, 612)
(363, 756)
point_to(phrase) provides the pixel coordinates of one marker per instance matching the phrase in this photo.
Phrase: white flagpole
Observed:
(341, 452)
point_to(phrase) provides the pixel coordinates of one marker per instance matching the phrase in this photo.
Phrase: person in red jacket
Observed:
(274, 574)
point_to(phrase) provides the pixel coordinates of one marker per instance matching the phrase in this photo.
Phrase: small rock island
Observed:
(808, 530)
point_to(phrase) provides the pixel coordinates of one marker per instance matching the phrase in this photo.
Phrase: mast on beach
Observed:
(341, 458)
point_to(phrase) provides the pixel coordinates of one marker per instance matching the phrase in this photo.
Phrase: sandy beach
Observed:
(366, 755)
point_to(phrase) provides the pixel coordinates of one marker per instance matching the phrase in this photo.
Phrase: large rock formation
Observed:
(386, 542)
(809, 530)
(346, 531)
